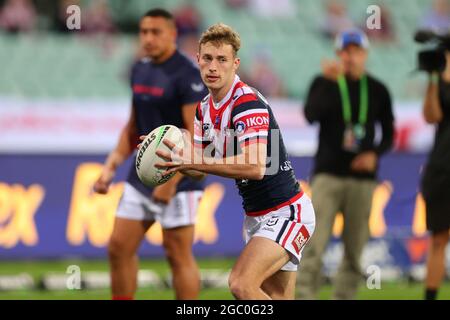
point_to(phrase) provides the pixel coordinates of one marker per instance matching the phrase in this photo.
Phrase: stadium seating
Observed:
(74, 66)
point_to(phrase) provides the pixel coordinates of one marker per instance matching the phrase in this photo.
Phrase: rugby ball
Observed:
(146, 156)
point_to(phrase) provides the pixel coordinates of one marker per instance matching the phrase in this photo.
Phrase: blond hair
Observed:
(221, 33)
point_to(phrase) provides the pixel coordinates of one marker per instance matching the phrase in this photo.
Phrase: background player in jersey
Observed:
(235, 122)
(166, 89)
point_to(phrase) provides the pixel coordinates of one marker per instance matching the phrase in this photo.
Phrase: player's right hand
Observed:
(102, 184)
(332, 69)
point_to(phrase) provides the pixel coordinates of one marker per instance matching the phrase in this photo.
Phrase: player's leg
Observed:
(185, 275)
(270, 259)
(281, 285)
(436, 263)
(130, 225)
(126, 237)
(327, 198)
(260, 259)
(358, 204)
(178, 220)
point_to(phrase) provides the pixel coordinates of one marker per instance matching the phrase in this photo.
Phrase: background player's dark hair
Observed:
(158, 12)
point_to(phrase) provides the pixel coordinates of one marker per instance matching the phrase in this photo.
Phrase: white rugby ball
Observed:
(147, 157)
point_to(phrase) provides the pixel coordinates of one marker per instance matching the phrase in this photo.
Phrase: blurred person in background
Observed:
(348, 103)
(438, 17)
(166, 90)
(98, 18)
(18, 16)
(237, 4)
(387, 31)
(262, 75)
(189, 45)
(336, 19)
(188, 20)
(99, 26)
(436, 178)
(272, 9)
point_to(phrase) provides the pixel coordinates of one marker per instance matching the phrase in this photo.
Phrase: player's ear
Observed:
(175, 33)
(173, 28)
(237, 63)
(365, 53)
(198, 57)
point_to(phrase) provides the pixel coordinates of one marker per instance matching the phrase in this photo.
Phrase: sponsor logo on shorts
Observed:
(300, 239)
(268, 229)
(272, 222)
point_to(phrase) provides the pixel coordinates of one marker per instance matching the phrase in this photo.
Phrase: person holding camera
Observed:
(348, 103)
(436, 177)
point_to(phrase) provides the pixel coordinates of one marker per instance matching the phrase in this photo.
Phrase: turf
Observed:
(389, 290)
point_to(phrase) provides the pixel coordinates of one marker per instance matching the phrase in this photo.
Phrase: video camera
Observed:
(432, 59)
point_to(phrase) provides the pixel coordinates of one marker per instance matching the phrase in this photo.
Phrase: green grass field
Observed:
(388, 291)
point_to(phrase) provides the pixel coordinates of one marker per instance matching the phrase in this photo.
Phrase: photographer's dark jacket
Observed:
(436, 179)
(323, 105)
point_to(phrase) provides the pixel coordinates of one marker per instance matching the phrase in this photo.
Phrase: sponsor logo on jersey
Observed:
(243, 182)
(257, 121)
(197, 87)
(286, 166)
(148, 90)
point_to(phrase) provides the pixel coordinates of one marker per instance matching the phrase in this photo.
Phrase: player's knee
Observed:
(240, 287)
(241, 290)
(177, 252)
(117, 249)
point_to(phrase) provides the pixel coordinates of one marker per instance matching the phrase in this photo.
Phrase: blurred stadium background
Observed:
(64, 96)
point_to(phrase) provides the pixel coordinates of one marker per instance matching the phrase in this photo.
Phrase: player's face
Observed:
(157, 35)
(354, 59)
(218, 65)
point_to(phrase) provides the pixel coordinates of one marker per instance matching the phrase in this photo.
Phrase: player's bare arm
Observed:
(432, 110)
(123, 149)
(250, 164)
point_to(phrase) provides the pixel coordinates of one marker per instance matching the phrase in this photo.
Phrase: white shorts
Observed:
(290, 225)
(181, 210)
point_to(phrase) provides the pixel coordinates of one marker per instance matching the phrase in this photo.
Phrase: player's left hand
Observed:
(176, 160)
(365, 162)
